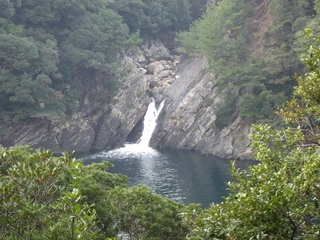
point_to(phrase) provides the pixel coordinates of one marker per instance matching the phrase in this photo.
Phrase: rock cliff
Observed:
(186, 122)
(189, 116)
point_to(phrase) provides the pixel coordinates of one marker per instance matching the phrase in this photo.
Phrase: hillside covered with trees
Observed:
(46, 45)
(48, 197)
(52, 52)
(254, 46)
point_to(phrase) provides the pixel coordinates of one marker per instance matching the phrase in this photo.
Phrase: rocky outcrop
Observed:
(186, 122)
(189, 116)
(75, 135)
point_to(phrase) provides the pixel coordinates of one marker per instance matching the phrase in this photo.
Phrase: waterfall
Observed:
(140, 149)
(150, 123)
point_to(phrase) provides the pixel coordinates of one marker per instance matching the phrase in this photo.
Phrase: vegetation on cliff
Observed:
(253, 46)
(279, 197)
(47, 197)
(47, 46)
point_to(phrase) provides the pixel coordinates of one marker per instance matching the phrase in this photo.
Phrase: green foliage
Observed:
(224, 35)
(272, 200)
(25, 80)
(36, 202)
(48, 197)
(225, 111)
(131, 11)
(197, 8)
(153, 17)
(94, 184)
(224, 41)
(251, 106)
(7, 9)
(164, 15)
(304, 109)
(257, 108)
(142, 215)
(279, 197)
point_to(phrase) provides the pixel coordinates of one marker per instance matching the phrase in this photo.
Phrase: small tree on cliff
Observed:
(279, 197)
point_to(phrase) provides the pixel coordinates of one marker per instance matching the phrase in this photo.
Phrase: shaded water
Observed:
(182, 176)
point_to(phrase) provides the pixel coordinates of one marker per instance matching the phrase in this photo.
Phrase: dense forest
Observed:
(48, 197)
(46, 44)
(257, 56)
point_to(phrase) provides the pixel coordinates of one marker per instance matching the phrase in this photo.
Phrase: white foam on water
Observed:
(130, 151)
(140, 149)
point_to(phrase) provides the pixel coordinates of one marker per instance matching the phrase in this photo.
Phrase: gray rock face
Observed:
(76, 135)
(129, 106)
(155, 49)
(186, 121)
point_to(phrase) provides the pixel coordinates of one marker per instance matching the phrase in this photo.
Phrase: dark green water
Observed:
(182, 176)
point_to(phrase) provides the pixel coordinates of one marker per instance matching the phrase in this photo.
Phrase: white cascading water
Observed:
(150, 123)
(142, 146)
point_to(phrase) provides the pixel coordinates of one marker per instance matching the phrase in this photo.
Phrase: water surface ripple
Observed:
(182, 176)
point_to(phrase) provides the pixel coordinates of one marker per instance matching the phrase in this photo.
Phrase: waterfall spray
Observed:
(141, 148)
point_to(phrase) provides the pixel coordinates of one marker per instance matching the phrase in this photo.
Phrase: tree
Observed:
(95, 182)
(279, 197)
(224, 34)
(48, 197)
(304, 108)
(138, 212)
(7, 9)
(36, 201)
(131, 11)
(28, 67)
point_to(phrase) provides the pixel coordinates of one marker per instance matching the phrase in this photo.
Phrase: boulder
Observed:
(158, 68)
(164, 74)
(155, 49)
(155, 67)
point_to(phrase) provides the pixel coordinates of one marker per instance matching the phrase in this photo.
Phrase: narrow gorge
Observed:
(154, 71)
